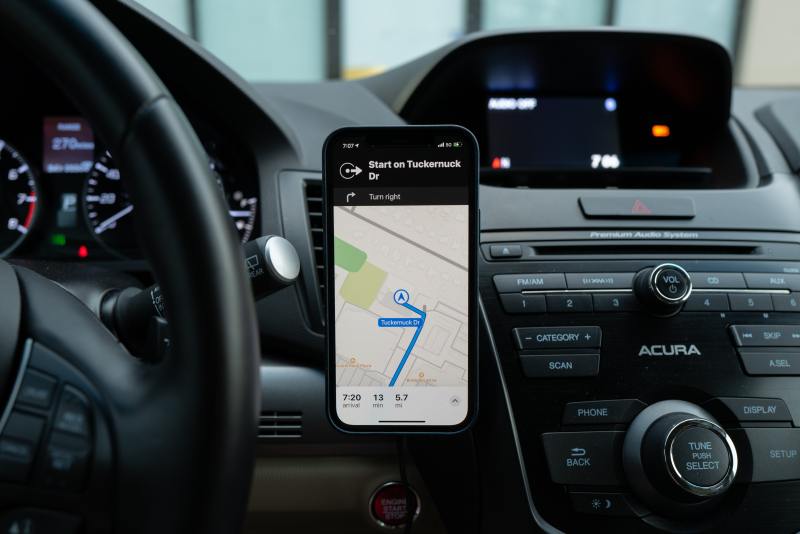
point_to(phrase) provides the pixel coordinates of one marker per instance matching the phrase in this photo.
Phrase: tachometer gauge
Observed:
(242, 202)
(18, 203)
(107, 207)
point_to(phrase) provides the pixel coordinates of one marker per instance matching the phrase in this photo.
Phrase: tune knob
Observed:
(675, 454)
(663, 289)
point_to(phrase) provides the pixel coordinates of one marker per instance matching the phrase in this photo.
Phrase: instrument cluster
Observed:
(62, 195)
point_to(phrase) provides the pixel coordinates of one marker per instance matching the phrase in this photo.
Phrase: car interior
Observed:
(168, 285)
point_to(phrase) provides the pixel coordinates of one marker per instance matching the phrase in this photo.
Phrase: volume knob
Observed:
(663, 289)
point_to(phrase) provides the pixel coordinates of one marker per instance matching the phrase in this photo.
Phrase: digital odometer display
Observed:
(531, 132)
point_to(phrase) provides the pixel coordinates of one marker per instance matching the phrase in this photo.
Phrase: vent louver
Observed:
(272, 425)
(315, 223)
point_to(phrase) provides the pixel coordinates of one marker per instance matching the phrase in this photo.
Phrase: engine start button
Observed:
(700, 456)
(390, 505)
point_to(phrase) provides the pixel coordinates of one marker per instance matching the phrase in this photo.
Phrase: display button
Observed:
(770, 363)
(37, 390)
(775, 452)
(33, 521)
(505, 251)
(558, 337)
(599, 280)
(512, 283)
(718, 281)
(772, 281)
(749, 410)
(617, 207)
(766, 335)
(66, 461)
(699, 456)
(750, 302)
(601, 412)
(786, 303)
(586, 458)
(519, 303)
(569, 303)
(710, 302)
(559, 365)
(602, 503)
(73, 413)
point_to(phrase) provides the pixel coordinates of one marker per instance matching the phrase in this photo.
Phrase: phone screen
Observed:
(401, 246)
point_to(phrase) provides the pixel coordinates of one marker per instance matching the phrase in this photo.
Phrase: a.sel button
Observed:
(770, 363)
(559, 365)
(748, 410)
(586, 458)
(602, 411)
(512, 283)
(766, 335)
(558, 337)
(775, 452)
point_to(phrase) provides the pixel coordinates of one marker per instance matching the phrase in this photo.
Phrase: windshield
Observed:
(310, 40)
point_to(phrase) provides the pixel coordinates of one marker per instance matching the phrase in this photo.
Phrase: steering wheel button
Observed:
(16, 458)
(33, 521)
(73, 413)
(66, 461)
(37, 390)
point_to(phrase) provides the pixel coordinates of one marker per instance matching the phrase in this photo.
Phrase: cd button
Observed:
(718, 281)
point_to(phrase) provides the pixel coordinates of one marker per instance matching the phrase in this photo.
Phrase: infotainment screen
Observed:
(536, 132)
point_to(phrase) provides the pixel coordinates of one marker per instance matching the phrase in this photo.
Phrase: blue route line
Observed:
(422, 316)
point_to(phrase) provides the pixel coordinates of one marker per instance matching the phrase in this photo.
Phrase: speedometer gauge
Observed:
(18, 203)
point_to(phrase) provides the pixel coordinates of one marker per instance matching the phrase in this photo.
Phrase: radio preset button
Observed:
(766, 335)
(513, 283)
(560, 365)
(718, 281)
(569, 303)
(615, 302)
(586, 458)
(772, 281)
(558, 337)
(786, 303)
(615, 411)
(750, 302)
(711, 302)
(519, 303)
(770, 363)
(599, 280)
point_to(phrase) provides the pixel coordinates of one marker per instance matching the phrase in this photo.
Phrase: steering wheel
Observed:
(90, 437)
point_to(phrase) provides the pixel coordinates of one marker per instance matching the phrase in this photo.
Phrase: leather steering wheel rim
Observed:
(184, 430)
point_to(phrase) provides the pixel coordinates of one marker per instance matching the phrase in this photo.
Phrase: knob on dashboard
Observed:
(663, 289)
(675, 454)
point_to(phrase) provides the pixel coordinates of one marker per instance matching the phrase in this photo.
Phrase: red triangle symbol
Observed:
(641, 208)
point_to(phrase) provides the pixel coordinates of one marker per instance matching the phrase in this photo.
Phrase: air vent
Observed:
(273, 425)
(315, 222)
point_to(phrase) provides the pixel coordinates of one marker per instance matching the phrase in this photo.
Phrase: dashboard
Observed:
(607, 156)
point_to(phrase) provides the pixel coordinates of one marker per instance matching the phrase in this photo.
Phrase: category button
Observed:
(602, 412)
(513, 283)
(558, 337)
(599, 280)
(586, 458)
(766, 335)
(559, 365)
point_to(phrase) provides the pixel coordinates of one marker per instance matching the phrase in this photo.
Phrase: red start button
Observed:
(390, 504)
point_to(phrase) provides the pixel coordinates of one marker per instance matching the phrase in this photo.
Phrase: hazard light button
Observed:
(624, 207)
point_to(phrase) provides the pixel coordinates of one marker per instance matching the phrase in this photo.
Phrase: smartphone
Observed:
(401, 244)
